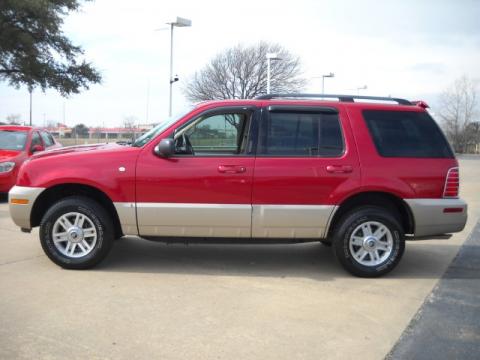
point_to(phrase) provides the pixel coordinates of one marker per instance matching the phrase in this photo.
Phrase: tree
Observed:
(13, 119)
(458, 108)
(80, 130)
(129, 124)
(35, 52)
(241, 73)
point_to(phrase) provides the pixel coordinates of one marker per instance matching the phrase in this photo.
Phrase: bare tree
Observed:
(241, 73)
(13, 119)
(129, 124)
(458, 109)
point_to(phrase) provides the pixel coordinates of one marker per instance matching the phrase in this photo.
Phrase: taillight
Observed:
(452, 184)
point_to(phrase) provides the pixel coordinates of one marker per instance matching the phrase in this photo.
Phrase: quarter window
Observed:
(301, 134)
(406, 134)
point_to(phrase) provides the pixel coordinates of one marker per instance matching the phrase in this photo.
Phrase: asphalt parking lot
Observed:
(150, 300)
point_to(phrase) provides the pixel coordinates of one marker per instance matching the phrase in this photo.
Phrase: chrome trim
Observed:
(194, 220)
(127, 216)
(20, 213)
(430, 219)
(291, 221)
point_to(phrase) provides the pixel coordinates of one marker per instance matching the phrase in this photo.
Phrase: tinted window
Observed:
(406, 134)
(301, 134)
(47, 139)
(36, 139)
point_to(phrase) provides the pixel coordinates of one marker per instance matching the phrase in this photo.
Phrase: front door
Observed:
(205, 188)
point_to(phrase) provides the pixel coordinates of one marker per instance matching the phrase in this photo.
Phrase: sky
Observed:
(410, 49)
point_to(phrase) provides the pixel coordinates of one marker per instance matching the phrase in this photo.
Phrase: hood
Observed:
(6, 155)
(76, 149)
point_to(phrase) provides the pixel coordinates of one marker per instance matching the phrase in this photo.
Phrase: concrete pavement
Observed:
(150, 300)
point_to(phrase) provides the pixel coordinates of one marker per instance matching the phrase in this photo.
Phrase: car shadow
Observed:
(3, 198)
(308, 260)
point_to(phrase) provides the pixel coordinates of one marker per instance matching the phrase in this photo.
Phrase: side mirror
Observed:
(165, 148)
(37, 148)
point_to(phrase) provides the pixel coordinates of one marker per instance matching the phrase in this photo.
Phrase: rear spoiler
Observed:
(420, 103)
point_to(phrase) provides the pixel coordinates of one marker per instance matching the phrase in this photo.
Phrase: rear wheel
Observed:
(76, 233)
(369, 241)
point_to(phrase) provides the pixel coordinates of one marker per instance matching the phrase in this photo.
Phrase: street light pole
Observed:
(30, 91)
(268, 75)
(179, 22)
(364, 87)
(171, 71)
(270, 57)
(330, 75)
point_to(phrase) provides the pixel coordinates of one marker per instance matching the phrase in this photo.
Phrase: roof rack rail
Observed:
(342, 98)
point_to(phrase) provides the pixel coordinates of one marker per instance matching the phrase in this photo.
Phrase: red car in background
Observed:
(18, 143)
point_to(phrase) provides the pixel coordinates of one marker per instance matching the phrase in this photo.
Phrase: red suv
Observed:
(359, 173)
(17, 144)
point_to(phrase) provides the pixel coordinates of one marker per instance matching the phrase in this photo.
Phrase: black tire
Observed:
(344, 231)
(101, 221)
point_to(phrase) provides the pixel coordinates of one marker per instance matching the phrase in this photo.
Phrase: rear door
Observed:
(305, 162)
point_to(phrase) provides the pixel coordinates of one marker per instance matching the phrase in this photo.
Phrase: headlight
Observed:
(6, 166)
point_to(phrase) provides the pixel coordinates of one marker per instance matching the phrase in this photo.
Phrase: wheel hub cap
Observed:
(75, 234)
(371, 243)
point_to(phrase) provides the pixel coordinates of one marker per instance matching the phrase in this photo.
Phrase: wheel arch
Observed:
(375, 198)
(57, 192)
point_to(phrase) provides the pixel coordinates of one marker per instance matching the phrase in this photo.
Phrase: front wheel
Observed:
(76, 233)
(369, 241)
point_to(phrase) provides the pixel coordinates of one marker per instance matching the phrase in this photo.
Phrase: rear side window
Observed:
(406, 134)
(301, 134)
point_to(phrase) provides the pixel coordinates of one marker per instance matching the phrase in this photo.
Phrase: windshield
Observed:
(149, 135)
(12, 140)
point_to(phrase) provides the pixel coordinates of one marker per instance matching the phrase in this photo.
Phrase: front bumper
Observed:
(21, 200)
(438, 216)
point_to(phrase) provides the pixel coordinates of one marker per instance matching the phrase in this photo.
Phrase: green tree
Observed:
(35, 52)
(80, 130)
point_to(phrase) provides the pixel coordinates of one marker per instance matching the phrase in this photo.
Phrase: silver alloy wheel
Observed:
(74, 234)
(371, 243)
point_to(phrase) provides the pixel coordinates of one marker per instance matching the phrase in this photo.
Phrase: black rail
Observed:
(342, 98)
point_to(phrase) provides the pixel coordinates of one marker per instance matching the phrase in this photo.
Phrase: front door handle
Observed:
(339, 169)
(231, 169)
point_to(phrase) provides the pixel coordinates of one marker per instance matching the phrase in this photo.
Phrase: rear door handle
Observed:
(231, 169)
(338, 169)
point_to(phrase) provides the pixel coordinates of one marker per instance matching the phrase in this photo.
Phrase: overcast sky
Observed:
(410, 48)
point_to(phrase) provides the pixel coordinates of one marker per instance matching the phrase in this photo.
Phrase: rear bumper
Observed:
(20, 201)
(438, 216)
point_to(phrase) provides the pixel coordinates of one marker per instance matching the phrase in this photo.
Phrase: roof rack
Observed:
(342, 98)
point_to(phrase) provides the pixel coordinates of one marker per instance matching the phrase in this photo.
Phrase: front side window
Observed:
(218, 134)
(36, 140)
(301, 134)
(47, 139)
(12, 140)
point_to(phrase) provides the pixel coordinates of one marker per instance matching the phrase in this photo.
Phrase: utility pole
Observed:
(30, 91)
